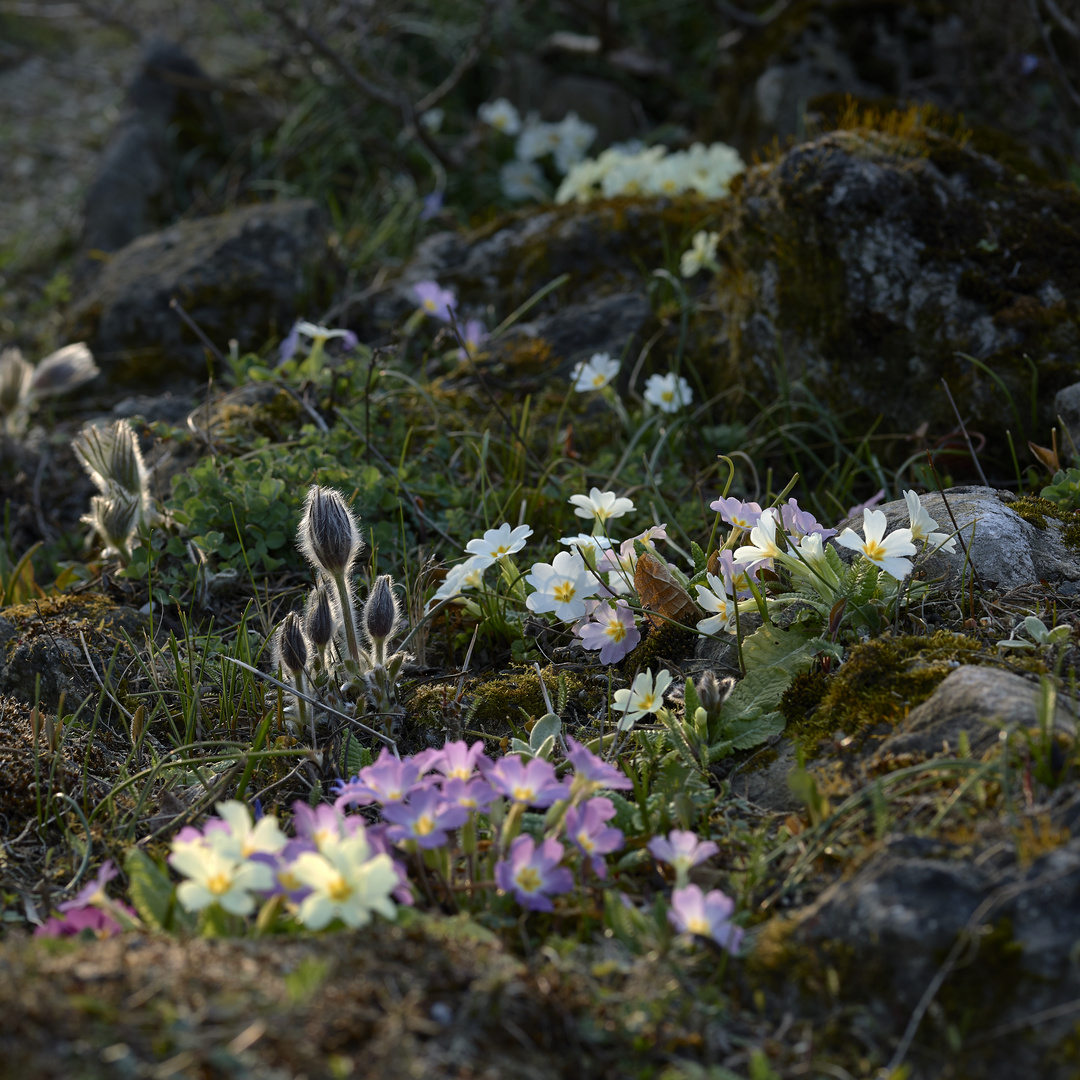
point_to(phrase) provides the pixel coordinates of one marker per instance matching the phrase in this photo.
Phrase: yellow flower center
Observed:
(586, 842)
(564, 592)
(523, 794)
(429, 304)
(616, 631)
(218, 884)
(321, 836)
(598, 381)
(502, 549)
(873, 550)
(698, 925)
(528, 880)
(339, 889)
(424, 826)
(288, 881)
(647, 702)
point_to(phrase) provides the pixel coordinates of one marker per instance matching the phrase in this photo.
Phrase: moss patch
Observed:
(878, 685)
(1035, 511)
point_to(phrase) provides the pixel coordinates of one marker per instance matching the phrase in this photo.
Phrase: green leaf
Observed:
(547, 727)
(773, 646)
(750, 733)
(701, 560)
(153, 894)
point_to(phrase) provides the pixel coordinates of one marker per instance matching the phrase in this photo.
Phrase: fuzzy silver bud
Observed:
(712, 692)
(319, 617)
(328, 536)
(293, 647)
(61, 371)
(381, 610)
(14, 377)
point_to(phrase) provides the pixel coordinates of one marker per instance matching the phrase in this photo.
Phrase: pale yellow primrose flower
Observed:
(243, 839)
(714, 598)
(702, 252)
(923, 526)
(763, 543)
(346, 883)
(500, 115)
(643, 698)
(215, 878)
(885, 552)
(601, 506)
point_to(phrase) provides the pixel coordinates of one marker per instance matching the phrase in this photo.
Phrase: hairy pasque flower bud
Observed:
(712, 692)
(329, 537)
(294, 651)
(381, 610)
(319, 617)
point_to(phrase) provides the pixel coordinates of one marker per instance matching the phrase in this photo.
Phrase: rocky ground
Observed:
(908, 839)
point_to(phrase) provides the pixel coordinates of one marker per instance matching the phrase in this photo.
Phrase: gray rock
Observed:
(239, 275)
(980, 701)
(132, 190)
(1007, 551)
(1067, 410)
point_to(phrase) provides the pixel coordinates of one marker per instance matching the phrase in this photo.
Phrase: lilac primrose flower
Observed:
(424, 817)
(591, 770)
(93, 890)
(458, 760)
(387, 781)
(531, 784)
(469, 794)
(433, 204)
(681, 850)
(285, 882)
(734, 511)
(475, 334)
(77, 920)
(533, 874)
(435, 300)
(799, 523)
(612, 630)
(870, 503)
(324, 824)
(693, 912)
(587, 828)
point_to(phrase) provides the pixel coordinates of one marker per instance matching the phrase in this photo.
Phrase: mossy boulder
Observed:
(239, 275)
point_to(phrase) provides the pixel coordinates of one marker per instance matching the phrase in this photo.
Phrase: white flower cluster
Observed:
(566, 142)
(707, 170)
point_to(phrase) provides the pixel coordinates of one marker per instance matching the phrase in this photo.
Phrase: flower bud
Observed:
(328, 536)
(62, 371)
(319, 617)
(712, 692)
(115, 518)
(14, 378)
(381, 610)
(293, 647)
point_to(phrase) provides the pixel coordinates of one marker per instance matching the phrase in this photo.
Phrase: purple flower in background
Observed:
(799, 523)
(91, 891)
(533, 784)
(289, 344)
(1029, 64)
(475, 334)
(387, 781)
(611, 629)
(75, 921)
(533, 873)
(323, 824)
(681, 850)
(588, 768)
(587, 829)
(424, 817)
(870, 503)
(458, 760)
(468, 794)
(435, 300)
(693, 912)
(286, 883)
(736, 512)
(433, 204)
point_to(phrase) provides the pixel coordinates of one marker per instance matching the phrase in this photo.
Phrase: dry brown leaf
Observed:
(659, 592)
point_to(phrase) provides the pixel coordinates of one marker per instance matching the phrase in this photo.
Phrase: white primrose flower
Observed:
(562, 586)
(468, 575)
(575, 137)
(923, 526)
(216, 878)
(500, 115)
(763, 543)
(346, 883)
(537, 139)
(716, 599)
(433, 119)
(523, 180)
(601, 506)
(643, 698)
(496, 543)
(594, 373)
(668, 393)
(813, 566)
(702, 252)
(885, 552)
(592, 547)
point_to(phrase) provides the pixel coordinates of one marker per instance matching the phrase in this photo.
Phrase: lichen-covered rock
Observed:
(867, 266)
(979, 701)
(1011, 542)
(239, 275)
